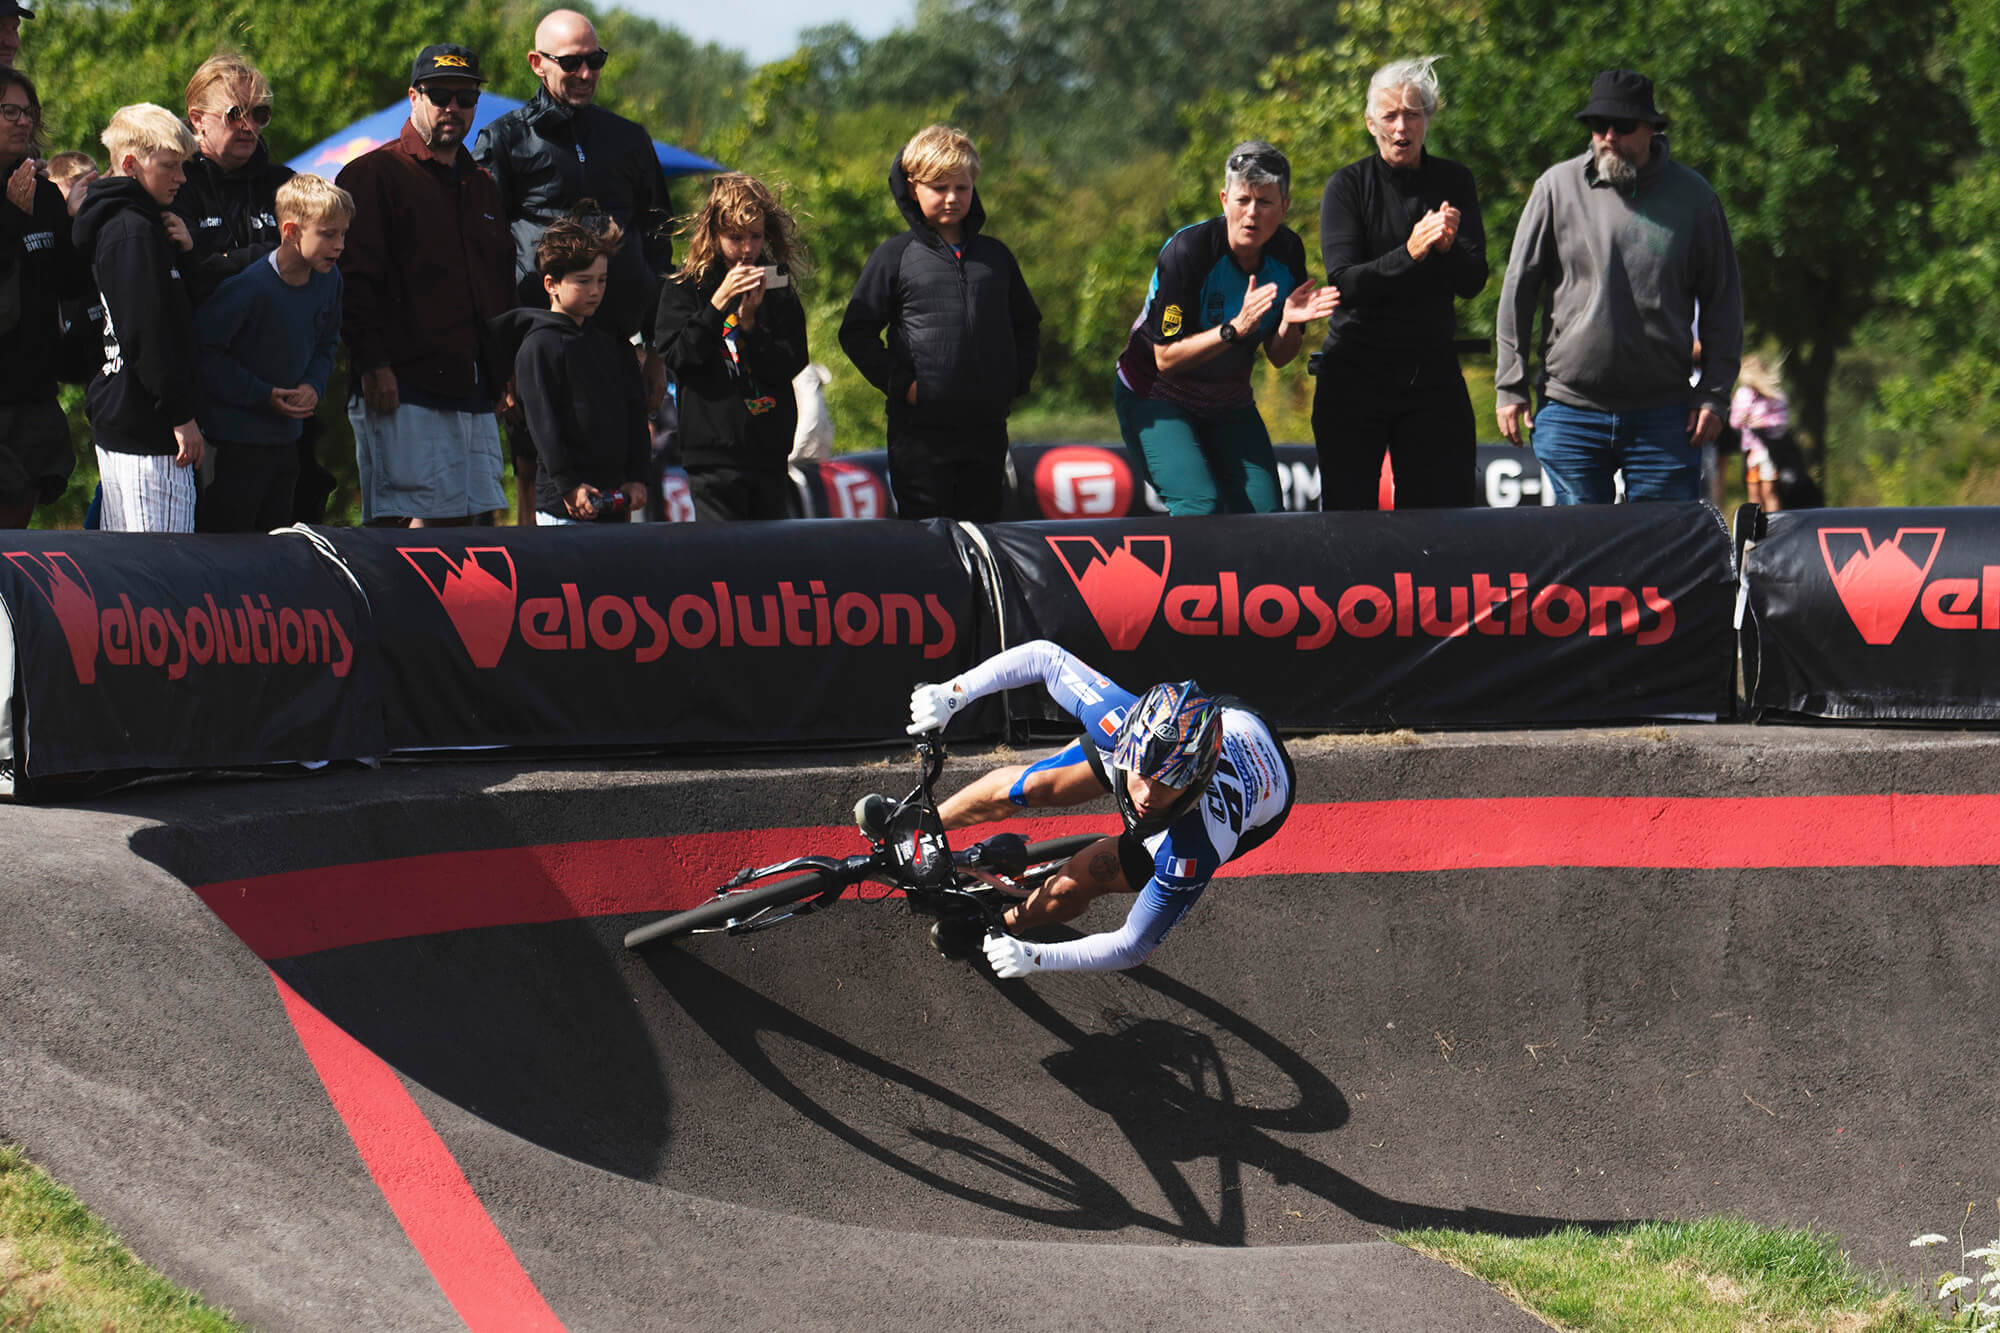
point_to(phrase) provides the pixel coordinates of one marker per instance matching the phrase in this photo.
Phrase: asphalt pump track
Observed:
(363, 1050)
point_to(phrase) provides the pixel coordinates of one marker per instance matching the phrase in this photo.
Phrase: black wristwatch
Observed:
(1227, 331)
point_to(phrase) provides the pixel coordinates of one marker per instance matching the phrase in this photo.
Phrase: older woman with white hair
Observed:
(1222, 289)
(1401, 237)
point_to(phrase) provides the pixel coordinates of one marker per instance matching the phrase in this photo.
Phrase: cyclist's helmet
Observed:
(1173, 734)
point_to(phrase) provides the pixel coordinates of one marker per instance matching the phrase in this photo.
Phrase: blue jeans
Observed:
(1580, 448)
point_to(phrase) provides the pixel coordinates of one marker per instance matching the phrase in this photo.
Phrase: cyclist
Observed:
(1198, 781)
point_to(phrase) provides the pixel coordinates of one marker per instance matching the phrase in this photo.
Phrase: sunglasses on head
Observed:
(572, 63)
(258, 115)
(1599, 124)
(467, 98)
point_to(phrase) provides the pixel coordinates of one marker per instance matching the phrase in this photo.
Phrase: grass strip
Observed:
(62, 1269)
(1716, 1275)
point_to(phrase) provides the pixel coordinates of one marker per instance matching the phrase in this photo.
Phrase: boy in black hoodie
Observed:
(141, 404)
(963, 330)
(579, 386)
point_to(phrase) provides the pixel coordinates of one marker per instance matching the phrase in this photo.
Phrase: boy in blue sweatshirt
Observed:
(267, 337)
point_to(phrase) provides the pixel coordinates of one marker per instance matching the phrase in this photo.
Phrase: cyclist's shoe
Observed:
(872, 814)
(960, 935)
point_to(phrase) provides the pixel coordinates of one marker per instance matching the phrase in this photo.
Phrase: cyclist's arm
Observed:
(1151, 917)
(1076, 687)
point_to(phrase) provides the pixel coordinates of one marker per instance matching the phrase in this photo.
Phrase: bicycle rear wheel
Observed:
(738, 905)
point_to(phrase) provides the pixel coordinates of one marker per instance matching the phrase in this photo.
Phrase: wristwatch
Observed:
(1227, 331)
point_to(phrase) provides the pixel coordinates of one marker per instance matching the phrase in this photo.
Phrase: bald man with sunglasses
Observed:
(561, 149)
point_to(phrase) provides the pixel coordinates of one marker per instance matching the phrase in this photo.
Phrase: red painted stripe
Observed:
(304, 911)
(424, 1186)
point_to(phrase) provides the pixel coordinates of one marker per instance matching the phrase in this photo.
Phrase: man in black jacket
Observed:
(554, 153)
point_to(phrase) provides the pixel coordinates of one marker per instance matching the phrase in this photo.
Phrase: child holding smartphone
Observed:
(732, 332)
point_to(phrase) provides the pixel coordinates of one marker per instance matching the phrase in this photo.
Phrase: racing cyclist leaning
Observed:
(1199, 783)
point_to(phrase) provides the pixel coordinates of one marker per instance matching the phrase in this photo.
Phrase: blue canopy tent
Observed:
(329, 155)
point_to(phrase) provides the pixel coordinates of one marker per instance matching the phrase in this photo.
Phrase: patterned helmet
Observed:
(1173, 734)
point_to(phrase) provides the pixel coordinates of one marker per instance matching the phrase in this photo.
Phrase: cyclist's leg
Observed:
(1106, 866)
(1063, 779)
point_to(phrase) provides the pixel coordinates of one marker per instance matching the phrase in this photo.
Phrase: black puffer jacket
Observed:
(232, 216)
(964, 329)
(547, 158)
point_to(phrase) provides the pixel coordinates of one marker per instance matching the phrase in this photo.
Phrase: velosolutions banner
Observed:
(180, 651)
(683, 633)
(1372, 620)
(1875, 613)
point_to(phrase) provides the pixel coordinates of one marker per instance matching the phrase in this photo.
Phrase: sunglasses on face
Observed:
(1599, 124)
(258, 115)
(467, 98)
(14, 115)
(571, 64)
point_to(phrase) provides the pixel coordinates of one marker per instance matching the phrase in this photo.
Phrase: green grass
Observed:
(1717, 1275)
(61, 1269)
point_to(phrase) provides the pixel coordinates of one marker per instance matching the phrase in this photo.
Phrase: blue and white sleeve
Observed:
(1151, 917)
(1086, 695)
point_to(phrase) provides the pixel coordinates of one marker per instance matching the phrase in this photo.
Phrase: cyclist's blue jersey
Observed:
(1245, 802)
(1196, 285)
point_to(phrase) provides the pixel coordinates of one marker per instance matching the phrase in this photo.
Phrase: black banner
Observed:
(1875, 613)
(1099, 481)
(1369, 620)
(681, 633)
(136, 651)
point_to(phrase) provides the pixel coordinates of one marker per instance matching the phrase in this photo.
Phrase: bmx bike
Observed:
(908, 853)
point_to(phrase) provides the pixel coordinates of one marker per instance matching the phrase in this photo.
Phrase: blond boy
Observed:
(141, 404)
(267, 340)
(963, 335)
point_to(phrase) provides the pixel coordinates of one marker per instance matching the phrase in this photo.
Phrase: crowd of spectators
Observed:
(527, 280)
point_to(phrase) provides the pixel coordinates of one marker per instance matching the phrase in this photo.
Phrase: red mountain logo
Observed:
(62, 584)
(1122, 588)
(478, 599)
(1879, 583)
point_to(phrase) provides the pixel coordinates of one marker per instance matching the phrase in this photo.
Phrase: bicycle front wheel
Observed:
(740, 905)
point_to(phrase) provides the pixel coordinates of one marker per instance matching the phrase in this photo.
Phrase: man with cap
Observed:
(1630, 250)
(428, 263)
(11, 14)
(559, 150)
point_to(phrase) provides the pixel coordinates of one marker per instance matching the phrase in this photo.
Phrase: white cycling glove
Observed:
(1011, 957)
(931, 706)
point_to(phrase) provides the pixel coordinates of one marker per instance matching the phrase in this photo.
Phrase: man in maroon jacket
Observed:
(428, 262)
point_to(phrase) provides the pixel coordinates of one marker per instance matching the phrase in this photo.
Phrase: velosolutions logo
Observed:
(1879, 583)
(243, 631)
(1128, 590)
(480, 590)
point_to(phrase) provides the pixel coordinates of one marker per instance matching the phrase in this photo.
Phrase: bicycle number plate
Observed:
(916, 838)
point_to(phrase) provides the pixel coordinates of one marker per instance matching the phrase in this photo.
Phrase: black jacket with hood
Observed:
(147, 383)
(232, 216)
(580, 392)
(548, 157)
(962, 326)
(734, 412)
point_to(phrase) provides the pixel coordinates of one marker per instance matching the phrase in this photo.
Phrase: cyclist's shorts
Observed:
(1076, 752)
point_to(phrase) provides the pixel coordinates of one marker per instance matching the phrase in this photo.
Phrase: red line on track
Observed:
(421, 1181)
(298, 912)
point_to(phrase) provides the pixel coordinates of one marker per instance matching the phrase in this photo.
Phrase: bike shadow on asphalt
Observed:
(1162, 1073)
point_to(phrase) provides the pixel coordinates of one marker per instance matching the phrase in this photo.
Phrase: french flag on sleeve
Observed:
(1183, 867)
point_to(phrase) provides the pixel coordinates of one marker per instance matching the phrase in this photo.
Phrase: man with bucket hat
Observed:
(1631, 252)
(428, 263)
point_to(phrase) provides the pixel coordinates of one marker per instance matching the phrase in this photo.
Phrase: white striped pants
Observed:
(144, 493)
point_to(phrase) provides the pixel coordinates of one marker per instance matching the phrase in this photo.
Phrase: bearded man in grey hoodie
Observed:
(1629, 254)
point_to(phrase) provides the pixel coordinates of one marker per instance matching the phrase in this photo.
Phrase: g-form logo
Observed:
(1083, 481)
(480, 590)
(1879, 582)
(1126, 589)
(852, 491)
(173, 639)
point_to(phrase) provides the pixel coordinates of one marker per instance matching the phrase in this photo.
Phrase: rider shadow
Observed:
(1168, 1089)
(1165, 1086)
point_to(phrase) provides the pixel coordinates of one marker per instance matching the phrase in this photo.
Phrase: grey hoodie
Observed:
(1619, 273)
